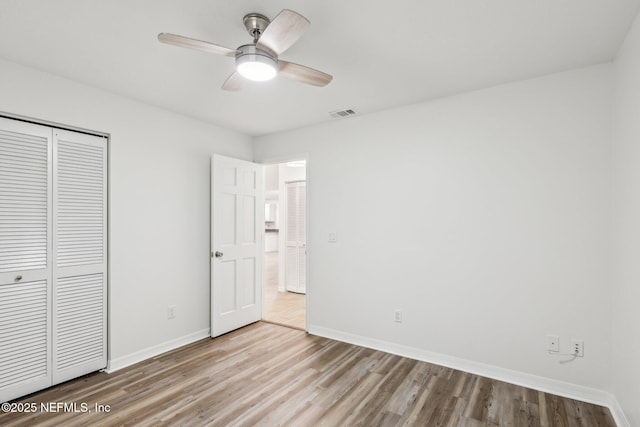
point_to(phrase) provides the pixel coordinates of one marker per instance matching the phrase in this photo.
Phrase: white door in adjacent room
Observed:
(296, 237)
(237, 218)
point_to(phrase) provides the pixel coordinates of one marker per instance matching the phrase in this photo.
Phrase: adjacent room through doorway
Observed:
(284, 289)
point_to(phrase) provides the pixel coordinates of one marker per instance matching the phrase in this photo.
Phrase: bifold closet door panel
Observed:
(25, 260)
(24, 339)
(80, 254)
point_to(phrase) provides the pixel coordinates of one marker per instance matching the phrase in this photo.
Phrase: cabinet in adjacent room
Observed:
(53, 256)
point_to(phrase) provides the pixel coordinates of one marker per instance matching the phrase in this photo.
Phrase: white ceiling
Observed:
(381, 53)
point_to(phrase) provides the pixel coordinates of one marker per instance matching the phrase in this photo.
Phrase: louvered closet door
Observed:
(25, 260)
(80, 254)
(296, 237)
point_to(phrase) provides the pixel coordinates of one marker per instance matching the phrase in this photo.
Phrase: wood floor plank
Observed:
(448, 413)
(526, 413)
(480, 399)
(269, 375)
(557, 416)
(380, 396)
(427, 399)
(407, 392)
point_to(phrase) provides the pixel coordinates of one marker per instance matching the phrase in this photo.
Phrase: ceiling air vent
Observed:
(342, 113)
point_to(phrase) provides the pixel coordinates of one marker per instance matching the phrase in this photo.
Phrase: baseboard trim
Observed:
(147, 353)
(547, 385)
(617, 412)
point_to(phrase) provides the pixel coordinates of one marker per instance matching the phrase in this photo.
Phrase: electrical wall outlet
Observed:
(171, 312)
(397, 316)
(553, 343)
(577, 347)
(332, 237)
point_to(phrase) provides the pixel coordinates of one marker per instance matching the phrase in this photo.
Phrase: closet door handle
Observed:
(218, 254)
(18, 278)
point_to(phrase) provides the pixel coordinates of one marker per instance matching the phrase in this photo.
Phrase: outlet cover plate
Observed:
(577, 347)
(171, 312)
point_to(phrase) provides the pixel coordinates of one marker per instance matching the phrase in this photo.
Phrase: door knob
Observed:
(218, 254)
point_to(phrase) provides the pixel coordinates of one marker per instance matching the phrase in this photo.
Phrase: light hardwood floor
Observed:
(284, 308)
(269, 375)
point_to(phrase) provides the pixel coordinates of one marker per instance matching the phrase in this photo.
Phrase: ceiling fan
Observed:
(258, 61)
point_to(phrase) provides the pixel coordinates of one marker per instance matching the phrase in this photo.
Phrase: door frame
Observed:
(309, 287)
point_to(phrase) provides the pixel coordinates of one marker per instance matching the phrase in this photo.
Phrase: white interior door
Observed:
(237, 215)
(296, 237)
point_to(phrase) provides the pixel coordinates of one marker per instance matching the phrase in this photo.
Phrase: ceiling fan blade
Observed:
(303, 74)
(234, 82)
(190, 43)
(283, 31)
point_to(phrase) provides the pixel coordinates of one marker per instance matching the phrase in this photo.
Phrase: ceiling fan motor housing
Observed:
(255, 24)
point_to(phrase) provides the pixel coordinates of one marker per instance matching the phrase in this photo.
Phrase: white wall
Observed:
(159, 206)
(626, 180)
(271, 177)
(485, 217)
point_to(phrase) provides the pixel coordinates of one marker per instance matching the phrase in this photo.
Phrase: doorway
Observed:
(285, 260)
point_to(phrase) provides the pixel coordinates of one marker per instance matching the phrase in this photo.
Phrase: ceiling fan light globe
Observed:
(255, 64)
(256, 70)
